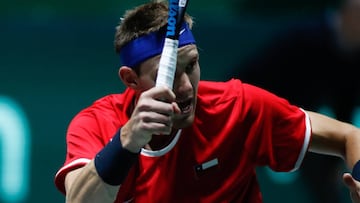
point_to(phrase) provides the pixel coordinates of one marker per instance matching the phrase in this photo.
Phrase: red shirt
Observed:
(237, 127)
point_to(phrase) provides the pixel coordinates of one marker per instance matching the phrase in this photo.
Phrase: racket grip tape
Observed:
(167, 64)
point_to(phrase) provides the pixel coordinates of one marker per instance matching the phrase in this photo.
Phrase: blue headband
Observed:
(147, 46)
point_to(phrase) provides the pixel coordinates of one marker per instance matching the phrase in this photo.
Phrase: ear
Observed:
(129, 77)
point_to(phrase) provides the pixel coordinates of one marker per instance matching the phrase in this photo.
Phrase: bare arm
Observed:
(333, 137)
(84, 185)
(330, 136)
(150, 116)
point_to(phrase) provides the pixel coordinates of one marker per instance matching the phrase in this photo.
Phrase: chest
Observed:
(195, 165)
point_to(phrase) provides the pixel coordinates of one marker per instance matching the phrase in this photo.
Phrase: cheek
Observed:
(146, 83)
(150, 83)
(195, 77)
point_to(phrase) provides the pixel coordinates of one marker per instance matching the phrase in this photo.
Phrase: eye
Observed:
(190, 68)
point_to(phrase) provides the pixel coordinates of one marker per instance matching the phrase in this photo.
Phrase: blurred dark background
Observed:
(56, 57)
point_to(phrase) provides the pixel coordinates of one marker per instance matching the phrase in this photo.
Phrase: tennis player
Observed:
(200, 141)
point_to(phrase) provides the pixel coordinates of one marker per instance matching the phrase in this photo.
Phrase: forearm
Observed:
(100, 179)
(85, 185)
(330, 136)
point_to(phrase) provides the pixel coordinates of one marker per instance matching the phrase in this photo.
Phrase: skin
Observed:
(157, 116)
(152, 118)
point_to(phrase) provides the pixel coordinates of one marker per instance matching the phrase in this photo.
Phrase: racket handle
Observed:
(167, 64)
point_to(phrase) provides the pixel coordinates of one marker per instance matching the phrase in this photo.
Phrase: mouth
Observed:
(185, 106)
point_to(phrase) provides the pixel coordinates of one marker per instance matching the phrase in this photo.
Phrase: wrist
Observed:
(128, 142)
(113, 162)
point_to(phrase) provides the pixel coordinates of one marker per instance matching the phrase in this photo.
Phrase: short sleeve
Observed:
(280, 132)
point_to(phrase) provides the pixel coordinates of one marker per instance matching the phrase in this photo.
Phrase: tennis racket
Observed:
(168, 58)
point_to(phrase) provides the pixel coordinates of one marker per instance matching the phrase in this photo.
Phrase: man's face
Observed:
(186, 82)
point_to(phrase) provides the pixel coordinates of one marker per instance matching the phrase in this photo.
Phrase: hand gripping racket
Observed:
(168, 58)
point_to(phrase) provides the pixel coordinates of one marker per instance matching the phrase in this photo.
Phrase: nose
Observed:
(182, 83)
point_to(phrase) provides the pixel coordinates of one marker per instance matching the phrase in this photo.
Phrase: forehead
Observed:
(187, 54)
(188, 50)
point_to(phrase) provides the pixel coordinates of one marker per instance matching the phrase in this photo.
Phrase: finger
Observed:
(153, 117)
(168, 109)
(148, 104)
(156, 128)
(163, 94)
(149, 101)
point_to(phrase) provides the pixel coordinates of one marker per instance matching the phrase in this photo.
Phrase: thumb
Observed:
(176, 108)
(351, 183)
(349, 180)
